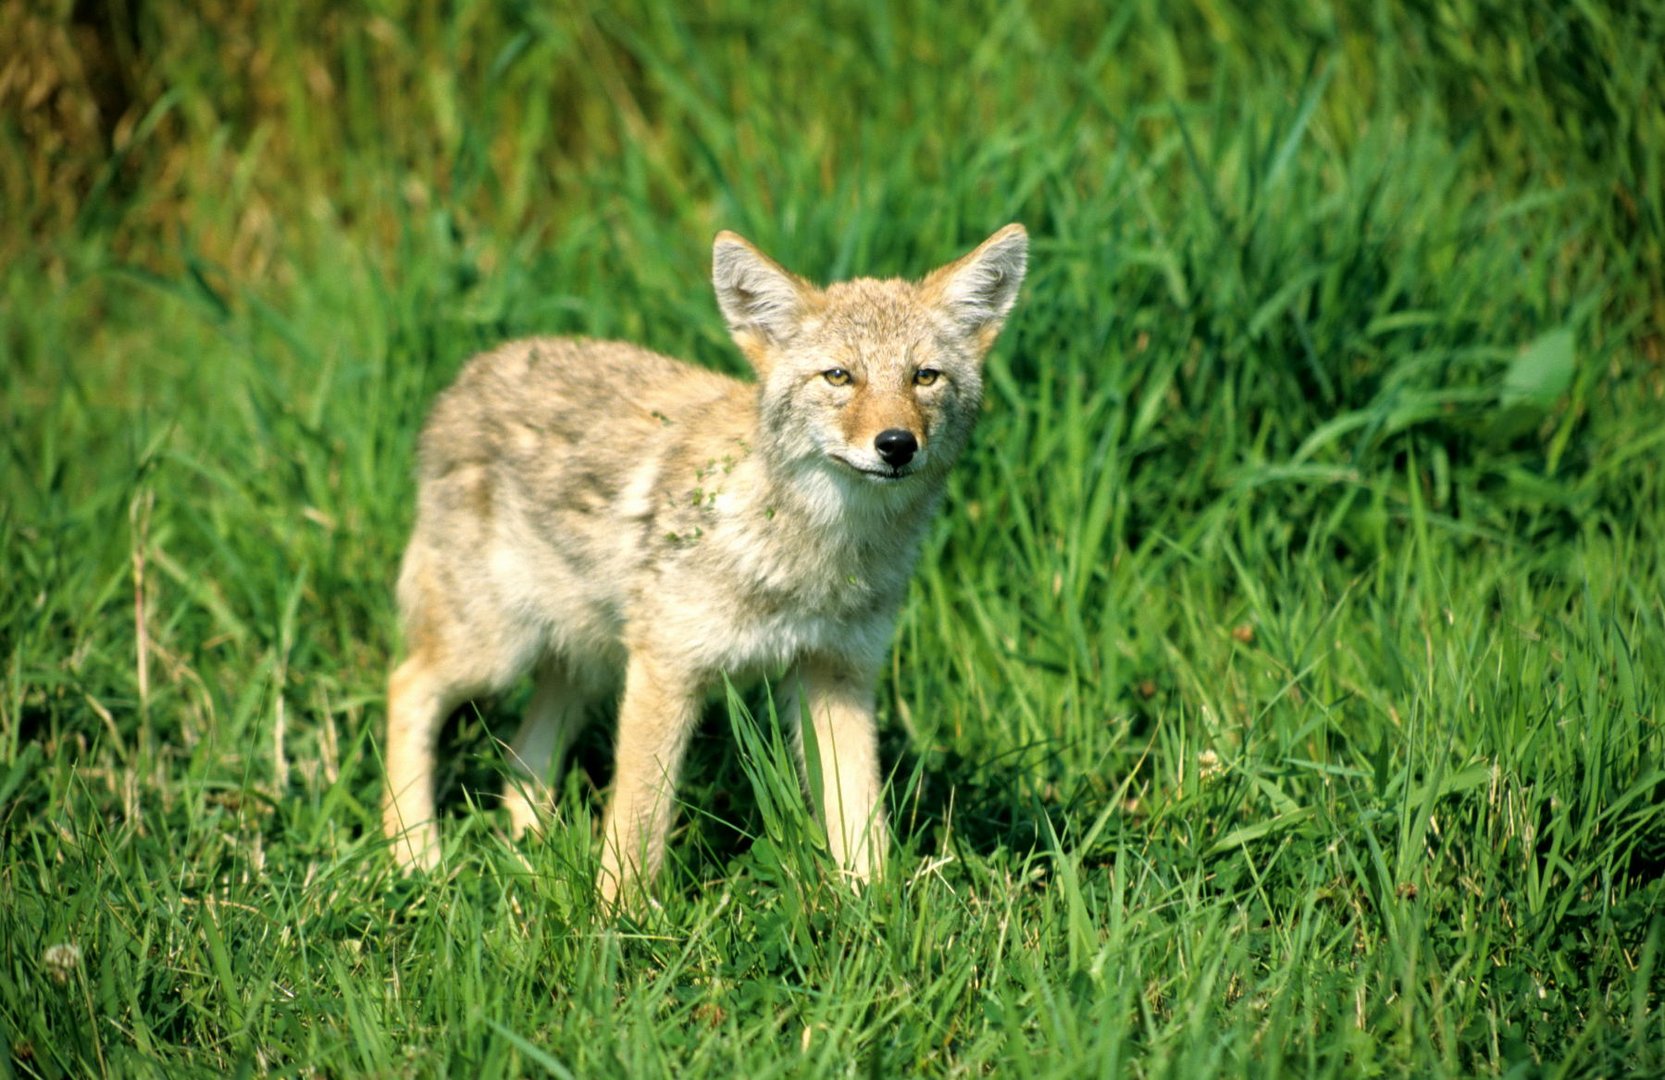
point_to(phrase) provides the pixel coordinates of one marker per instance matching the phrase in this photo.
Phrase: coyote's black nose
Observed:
(896, 446)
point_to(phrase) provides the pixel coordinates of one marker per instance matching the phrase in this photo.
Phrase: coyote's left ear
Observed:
(979, 289)
(762, 301)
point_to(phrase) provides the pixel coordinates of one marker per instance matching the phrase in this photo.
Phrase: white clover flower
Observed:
(60, 961)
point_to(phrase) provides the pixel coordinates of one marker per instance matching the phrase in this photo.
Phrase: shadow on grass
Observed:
(940, 801)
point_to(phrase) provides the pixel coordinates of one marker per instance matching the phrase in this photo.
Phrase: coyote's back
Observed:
(604, 516)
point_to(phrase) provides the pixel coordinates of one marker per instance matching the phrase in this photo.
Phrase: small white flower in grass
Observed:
(1208, 765)
(60, 961)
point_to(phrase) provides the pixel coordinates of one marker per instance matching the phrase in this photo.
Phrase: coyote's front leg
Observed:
(658, 712)
(841, 743)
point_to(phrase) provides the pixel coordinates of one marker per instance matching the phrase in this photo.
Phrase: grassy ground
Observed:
(1280, 693)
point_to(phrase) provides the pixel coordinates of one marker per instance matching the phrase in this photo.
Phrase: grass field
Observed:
(1280, 693)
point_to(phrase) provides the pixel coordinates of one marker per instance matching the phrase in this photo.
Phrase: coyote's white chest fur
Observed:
(604, 516)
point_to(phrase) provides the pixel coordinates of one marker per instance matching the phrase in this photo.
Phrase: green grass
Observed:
(1279, 694)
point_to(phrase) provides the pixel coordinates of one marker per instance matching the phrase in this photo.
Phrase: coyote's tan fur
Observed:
(601, 515)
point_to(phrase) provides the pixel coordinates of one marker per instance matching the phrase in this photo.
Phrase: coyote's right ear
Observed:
(762, 300)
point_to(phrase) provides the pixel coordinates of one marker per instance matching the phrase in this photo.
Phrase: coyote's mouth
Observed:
(878, 476)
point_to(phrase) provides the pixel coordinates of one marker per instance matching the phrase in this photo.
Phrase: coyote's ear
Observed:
(978, 290)
(762, 300)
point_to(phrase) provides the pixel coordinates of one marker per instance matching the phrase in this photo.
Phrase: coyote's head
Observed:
(872, 382)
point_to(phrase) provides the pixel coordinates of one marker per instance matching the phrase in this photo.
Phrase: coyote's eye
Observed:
(837, 376)
(926, 376)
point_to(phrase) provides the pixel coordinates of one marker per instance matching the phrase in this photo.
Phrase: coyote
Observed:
(603, 516)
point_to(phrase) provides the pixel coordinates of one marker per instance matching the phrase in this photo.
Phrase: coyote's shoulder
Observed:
(601, 514)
